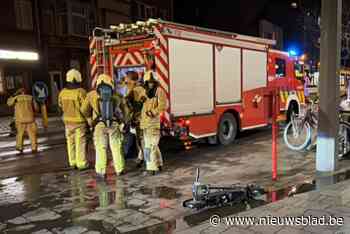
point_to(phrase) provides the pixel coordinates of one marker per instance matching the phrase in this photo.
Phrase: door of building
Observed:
(56, 84)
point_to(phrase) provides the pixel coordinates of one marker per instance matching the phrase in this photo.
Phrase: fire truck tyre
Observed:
(227, 131)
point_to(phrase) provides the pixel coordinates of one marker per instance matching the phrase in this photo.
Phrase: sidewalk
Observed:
(53, 135)
(329, 201)
(54, 123)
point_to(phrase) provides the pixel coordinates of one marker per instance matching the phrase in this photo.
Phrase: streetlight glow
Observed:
(20, 55)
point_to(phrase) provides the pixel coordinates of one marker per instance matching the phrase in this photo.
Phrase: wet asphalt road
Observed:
(39, 195)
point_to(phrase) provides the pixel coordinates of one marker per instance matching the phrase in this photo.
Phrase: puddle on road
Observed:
(68, 196)
(288, 191)
(160, 192)
(72, 195)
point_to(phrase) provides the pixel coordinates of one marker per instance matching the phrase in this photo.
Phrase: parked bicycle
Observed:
(300, 133)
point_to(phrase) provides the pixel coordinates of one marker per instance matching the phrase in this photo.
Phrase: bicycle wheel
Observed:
(343, 139)
(297, 137)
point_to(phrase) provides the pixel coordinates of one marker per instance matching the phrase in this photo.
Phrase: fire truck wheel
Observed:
(227, 131)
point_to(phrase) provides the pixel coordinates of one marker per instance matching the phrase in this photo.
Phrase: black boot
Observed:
(139, 163)
(19, 151)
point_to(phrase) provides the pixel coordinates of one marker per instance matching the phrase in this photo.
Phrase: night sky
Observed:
(242, 16)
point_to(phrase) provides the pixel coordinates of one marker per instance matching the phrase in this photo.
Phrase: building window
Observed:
(142, 13)
(163, 14)
(268, 35)
(80, 20)
(62, 24)
(146, 11)
(24, 14)
(62, 18)
(280, 68)
(49, 21)
(154, 12)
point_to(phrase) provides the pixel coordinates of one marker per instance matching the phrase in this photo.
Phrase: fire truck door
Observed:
(254, 111)
(254, 83)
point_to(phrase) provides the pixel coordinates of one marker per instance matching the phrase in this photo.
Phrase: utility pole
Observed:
(327, 148)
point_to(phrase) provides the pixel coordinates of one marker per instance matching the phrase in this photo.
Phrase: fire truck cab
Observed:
(217, 83)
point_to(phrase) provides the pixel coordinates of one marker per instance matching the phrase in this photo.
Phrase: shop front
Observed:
(17, 70)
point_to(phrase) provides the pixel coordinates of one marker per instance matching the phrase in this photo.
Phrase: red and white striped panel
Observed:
(162, 71)
(93, 61)
(128, 59)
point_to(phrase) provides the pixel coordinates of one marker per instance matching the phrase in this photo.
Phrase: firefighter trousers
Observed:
(31, 130)
(112, 136)
(152, 153)
(76, 145)
(139, 143)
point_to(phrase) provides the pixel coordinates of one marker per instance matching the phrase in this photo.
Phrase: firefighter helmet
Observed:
(105, 79)
(73, 75)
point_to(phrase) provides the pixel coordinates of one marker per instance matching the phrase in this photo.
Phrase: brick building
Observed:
(58, 31)
(67, 24)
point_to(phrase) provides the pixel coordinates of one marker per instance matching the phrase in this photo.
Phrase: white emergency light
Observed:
(20, 55)
(140, 23)
(122, 26)
(151, 21)
(113, 27)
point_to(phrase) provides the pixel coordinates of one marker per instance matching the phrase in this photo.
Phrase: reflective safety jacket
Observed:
(24, 108)
(70, 101)
(91, 108)
(135, 97)
(150, 115)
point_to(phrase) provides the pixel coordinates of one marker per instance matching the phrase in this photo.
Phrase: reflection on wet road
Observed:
(73, 202)
(70, 202)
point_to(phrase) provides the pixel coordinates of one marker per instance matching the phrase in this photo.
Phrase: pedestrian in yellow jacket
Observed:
(108, 114)
(70, 100)
(155, 104)
(25, 106)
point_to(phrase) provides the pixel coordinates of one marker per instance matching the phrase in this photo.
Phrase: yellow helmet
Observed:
(73, 75)
(106, 79)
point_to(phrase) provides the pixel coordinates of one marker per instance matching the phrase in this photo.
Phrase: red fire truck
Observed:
(216, 82)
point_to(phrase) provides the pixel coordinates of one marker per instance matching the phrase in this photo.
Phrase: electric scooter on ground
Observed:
(206, 195)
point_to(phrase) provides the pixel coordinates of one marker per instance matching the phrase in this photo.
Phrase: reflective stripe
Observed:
(299, 96)
(302, 97)
(282, 97)
(24, 98)
(74, 119)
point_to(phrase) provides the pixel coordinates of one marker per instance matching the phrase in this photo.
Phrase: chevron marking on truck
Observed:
(162, 64)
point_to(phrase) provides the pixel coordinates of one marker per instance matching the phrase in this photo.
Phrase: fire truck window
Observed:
(280, 67)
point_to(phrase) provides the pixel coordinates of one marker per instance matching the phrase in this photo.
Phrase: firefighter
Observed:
(109, 115)
(135, 97)
(69, 100)
(150, 124)
(25, 106)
